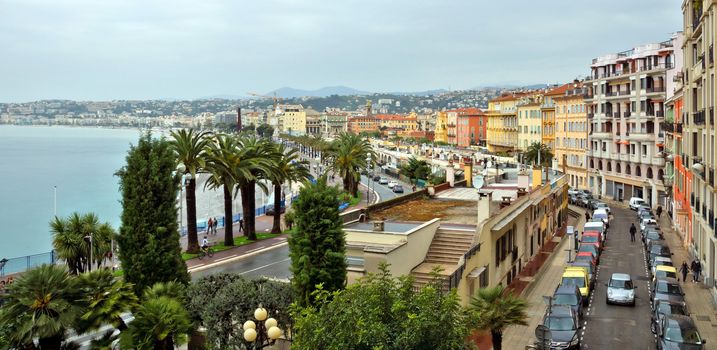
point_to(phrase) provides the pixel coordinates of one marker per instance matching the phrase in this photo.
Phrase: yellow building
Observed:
(502, 129)
(294, 119)
(529, 123)
(571, 133)
(547, 115)
(441, 131)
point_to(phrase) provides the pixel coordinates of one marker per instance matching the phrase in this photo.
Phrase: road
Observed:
(612, 326)
(273, 263)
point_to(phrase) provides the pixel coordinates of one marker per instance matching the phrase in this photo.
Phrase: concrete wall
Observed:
(402, 259)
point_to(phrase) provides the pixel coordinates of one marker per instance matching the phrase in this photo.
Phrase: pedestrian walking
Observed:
(413, 188)
(696, 269)
(684, 269)
(241, 225)
(659, 211)
(209, 226)
(587, 216)
(215, 223)
(633, 230)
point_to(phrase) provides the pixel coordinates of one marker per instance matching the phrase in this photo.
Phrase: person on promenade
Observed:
(205, 243)
(633, 230)
(209, 226)
(215, 223)
(684, 269)
(659, 211)
(587, 216)
(241, 225)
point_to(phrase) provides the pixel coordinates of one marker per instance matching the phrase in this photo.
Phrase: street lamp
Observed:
(182, 169)
(89, 238)
(262, 333)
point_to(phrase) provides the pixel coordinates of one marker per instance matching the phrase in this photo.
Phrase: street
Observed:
(273, 263)
(613, 326)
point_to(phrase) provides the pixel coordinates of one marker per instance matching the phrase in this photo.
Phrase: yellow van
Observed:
(664, 271)
(577, 276)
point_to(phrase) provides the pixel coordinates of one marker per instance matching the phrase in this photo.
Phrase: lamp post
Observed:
(181, 169)
(262, 333)
(89, 265)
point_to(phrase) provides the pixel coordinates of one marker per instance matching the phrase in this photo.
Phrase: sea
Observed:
(68, 169)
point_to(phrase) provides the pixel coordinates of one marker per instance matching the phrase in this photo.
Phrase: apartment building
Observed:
(529, 120)
(334, 122)
(502, 130)
(470, 127)
(294, 119)
(547, 116)
(698, 136)
(571, 133)
(441, 129)
(452, 120)
(397, 122)
(625, 106)
(363, 123)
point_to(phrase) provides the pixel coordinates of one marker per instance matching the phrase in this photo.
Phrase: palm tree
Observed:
(539, 154)
(494, 309)
(106, 298)
(42, 304)
(70, 242)
(223, 162)
(349, 153)
(287, 167)
(416, 169)
(189, 146)
(258, 154)
(160, 323)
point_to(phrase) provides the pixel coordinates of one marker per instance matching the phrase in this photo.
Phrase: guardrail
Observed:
(24, 263)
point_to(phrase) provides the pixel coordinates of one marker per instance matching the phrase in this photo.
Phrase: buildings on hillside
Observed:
(441, 129)
(625, 106)
(529, 120)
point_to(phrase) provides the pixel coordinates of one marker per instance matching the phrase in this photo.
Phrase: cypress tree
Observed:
(317, 246)
(148, 237)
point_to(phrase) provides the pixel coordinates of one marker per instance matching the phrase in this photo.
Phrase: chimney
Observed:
(484, 199)
(468, 171)
(378, 225)
(450, 173)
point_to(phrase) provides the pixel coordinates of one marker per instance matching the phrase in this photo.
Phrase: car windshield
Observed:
(600, 216)
(660, 250)
(559, 323)
(574, 281)
(590, 239)
(671, 309)
(653, 235)
(682, 333)
(620, 284)
(565, 299)
(587, 248)
(665, 274)
(668, 288)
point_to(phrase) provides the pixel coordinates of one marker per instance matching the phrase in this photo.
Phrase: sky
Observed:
(187, 49)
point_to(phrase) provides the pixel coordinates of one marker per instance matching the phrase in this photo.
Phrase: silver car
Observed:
(621, 290)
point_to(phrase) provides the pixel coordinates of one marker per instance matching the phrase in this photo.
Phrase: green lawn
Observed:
(238, 241)
(351, 200)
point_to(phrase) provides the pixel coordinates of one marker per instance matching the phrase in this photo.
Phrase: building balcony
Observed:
(655, 89)
(668, 127)
(613, 94)
(591, 115)
(678, 128)
(624, 156)
(658, 161)
(626, 114)
(699, 117)
(641, 136)
(602, 135)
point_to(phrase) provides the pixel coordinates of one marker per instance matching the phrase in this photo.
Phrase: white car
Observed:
(601, 205)
(646, 222)
(392, 183)
(383, 181)
(635, 202)
(603, 215)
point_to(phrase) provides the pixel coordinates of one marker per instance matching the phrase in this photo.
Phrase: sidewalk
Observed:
(543, 283)
(698, 297)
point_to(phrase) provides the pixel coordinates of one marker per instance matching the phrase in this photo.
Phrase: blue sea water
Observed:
(81, 162)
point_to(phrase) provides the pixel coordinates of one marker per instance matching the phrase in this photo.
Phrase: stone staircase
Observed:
(446, 250)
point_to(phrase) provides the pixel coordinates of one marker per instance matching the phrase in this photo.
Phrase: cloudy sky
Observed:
(146, 49)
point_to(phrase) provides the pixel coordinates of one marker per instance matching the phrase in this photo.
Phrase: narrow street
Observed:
(614, 326)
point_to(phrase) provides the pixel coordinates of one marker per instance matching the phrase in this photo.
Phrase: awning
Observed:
(476, 272)
(513, 214)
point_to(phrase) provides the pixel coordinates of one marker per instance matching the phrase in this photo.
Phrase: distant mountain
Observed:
(288, 92)
(224, 97)
(420, 93)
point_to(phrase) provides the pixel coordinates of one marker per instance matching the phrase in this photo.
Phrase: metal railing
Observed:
(699, 117)
(24, 263)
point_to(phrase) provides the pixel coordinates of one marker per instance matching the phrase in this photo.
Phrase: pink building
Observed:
(470, 127)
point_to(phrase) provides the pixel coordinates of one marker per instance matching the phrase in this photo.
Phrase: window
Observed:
(644, 150)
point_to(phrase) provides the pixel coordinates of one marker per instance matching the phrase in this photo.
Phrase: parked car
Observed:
(664, 272)
(666, 308)
(592, 237)
(601, 205)
(661, 261)
(667, 289)
(584, 200)
(635, 202)
(590, 248)
(643, 208)
(590, 268)
(383, 181)
(577, 277)
(397, 189)
(392, 184)
(603, 215)
(658, 250)
(620, 290)
(678, 332)
(645, 222)
(564, 327)
(586, 256)
(597, 226)
(652, 236)
(570, 296)
(376, 178)
(270, 209)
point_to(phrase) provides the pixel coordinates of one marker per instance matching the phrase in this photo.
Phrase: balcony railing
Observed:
(591, 115)
(627, 114)
(656, 89)
(678, 128)
(669, 127)
(660, 114)
(616, 114)
(699, 118)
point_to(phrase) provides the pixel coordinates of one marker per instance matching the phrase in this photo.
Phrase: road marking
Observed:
(255, 249)
(267, 265)
(242, 256)
(226, 257)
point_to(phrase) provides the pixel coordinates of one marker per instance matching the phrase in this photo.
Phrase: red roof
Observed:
(560, 90)
(393, 117)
